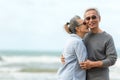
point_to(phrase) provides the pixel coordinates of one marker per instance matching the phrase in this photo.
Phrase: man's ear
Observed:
(99, 18)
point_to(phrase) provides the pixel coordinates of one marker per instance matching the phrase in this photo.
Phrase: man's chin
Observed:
(91, 27)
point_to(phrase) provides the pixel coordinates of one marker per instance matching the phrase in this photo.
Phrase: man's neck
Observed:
(96, 30)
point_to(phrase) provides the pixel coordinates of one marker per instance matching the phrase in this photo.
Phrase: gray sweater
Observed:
(100, 46)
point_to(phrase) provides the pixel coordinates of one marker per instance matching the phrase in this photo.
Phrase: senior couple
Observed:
(89, 51)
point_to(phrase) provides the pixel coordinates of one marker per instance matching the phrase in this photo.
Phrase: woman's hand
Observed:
(62, 59)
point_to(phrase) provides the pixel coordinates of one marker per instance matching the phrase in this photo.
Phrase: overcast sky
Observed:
(38, 24)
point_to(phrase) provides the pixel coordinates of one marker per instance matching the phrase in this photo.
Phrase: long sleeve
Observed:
(111, 55)
(81, 51)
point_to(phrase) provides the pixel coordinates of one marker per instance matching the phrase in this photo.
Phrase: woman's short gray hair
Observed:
(73, 24)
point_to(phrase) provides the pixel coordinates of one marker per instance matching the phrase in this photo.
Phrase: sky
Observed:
(38, 24)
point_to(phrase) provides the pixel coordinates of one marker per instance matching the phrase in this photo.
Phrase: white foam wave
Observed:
(26, 59)
(8, 69)
(15, 63)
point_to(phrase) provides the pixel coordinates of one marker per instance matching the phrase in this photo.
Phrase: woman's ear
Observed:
(78, 29)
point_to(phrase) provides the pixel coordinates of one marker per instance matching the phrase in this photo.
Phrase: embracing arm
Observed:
(111, 57)
(111, 54)
(62, 59)
(88, 64)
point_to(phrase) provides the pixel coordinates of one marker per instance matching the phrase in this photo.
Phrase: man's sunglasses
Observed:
(92, 17)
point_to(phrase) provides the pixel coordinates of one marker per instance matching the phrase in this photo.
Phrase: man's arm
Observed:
(111, 57)
(111, 54)
(91, 64)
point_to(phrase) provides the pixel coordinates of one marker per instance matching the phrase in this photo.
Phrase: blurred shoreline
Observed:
(38, 76)
(23, 65)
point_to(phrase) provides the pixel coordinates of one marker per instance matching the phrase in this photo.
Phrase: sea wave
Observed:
(24, 59)
(37, 64)
(29, 63)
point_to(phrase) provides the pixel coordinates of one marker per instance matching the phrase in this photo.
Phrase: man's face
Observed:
(92, 19)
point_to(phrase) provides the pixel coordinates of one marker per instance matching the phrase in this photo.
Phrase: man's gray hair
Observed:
(95, 9)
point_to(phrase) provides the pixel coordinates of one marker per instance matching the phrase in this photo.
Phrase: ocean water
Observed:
(37, 65)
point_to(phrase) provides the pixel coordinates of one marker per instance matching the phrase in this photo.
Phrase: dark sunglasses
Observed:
(92, 17)
(84, 23)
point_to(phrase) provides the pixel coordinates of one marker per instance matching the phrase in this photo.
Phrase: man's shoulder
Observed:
(107, 35)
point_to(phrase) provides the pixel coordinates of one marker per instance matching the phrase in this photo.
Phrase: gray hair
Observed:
(73, 24)
(95, 9)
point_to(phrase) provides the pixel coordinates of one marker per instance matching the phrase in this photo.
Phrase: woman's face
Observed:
(83, 27)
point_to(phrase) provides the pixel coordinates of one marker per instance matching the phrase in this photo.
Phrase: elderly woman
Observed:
(74, 51)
